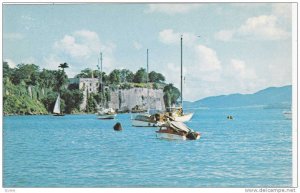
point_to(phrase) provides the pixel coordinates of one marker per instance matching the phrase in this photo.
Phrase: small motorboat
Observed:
(104, 113)
(138, 109)
(176, 130)
(145, 120)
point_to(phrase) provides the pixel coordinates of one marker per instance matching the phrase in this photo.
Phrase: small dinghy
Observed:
(104, 113)
(176, 130)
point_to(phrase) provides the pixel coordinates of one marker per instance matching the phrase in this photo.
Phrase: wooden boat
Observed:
(176, 131)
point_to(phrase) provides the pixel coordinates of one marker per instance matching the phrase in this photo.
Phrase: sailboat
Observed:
(174, 128)
(177, 113)
(104, 113)
(146, 119)
(56, 110)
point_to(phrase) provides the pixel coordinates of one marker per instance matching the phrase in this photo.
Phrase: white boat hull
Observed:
(107, 116)
(138, 123)
(183, 118)
(170, 136)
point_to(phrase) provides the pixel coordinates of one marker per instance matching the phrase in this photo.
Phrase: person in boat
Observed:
(229, 117)
(180, 111)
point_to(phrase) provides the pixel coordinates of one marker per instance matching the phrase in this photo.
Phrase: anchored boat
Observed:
(103, 113)
(144, 118)
(106, 113)
(176, 130)
(178, 115)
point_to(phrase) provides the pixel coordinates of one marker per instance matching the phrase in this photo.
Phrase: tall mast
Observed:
(101, 83)
(148, 80)
(181, 72)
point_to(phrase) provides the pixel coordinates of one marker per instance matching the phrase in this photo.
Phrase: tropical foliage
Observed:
(29, 90)
(171, 94)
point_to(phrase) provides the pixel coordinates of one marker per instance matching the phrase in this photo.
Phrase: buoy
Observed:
(118, 127)
(229, 117)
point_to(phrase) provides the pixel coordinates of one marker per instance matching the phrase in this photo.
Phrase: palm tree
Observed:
(61, 76)
(63, 66)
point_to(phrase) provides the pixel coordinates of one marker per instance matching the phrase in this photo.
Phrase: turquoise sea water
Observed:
(253, 150)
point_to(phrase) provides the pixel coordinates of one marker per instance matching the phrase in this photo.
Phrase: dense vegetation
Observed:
(29, 90)
(119, 77)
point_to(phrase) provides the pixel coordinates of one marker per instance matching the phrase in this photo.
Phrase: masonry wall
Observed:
(122, 99)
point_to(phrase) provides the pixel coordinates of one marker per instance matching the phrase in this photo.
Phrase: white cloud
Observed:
(80, 50)
(80, 44)
(206, 74)
(168, 36)
(137, 45)
(263, 27)
(203, 64)
(282, 9)
(13, 36)
(52, 62)
(224, 35)
(206, 59)
(11, 63)
(171, 9)
(241, 71)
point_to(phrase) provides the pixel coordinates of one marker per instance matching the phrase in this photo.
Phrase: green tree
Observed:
(73, 99)
(126, 75)
(29, 73)
(47, 78)
(86, 73)
(61, 78)
(114, 77)
(49, 100)
(91, 105)
(171, 94)
(7, 71)
(156, 77)
(140, 76)
(63, 66)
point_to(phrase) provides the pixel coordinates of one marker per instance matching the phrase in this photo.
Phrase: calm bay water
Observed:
(253, 150)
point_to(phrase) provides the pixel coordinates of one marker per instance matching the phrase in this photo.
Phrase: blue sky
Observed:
(242, 47)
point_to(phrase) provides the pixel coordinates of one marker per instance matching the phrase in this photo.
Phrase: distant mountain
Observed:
(272, 97)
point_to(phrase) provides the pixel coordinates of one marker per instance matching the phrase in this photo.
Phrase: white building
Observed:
(87, 85)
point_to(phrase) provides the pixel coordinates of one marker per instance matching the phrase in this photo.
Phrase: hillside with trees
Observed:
(29, 90)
